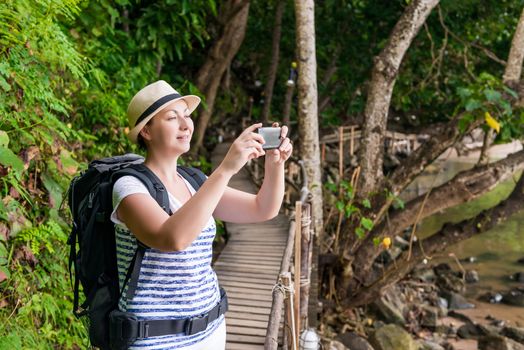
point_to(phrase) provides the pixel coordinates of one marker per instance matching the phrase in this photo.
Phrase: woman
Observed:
(176, 280)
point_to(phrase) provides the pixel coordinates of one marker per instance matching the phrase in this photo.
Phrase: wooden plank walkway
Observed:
(248, 269)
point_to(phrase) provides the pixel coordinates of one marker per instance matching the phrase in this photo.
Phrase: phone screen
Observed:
(271, 136)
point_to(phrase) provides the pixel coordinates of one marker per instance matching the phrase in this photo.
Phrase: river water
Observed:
(496, 251)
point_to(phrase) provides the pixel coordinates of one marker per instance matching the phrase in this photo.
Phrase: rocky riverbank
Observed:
(429, 310)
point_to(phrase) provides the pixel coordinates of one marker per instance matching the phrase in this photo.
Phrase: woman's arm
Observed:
(242, 207)
(155, 228)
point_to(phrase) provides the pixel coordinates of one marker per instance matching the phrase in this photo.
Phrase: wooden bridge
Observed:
(395, 142)
(248, 268)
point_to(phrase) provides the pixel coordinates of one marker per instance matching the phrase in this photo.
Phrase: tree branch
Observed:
(464, 187)
(450, 234)
(218, 60)
(415, 164)
(446, 135)
(487, 52)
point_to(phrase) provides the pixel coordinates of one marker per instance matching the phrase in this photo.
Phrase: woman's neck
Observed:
(163, 166)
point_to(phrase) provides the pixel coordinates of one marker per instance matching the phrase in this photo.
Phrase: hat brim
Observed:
(192, 103)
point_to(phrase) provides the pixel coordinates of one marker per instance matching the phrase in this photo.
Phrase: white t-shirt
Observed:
(171, 285)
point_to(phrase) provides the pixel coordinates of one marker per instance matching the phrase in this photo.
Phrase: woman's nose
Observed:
(185, 123)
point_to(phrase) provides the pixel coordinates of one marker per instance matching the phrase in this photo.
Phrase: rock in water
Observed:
(392, 337)
(457, 302)
(424, 274)
(390, 306)
(472, 276)
(497, 342)
(336, 345)
(443, 305)
(354, 342)
(514, 297)
(429, 345)
(468, 331)
(429, 317)
(486, 329)
(447, 279)
(517, 277)
(514, 333)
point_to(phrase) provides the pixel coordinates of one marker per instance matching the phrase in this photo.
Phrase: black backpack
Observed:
(95, 266)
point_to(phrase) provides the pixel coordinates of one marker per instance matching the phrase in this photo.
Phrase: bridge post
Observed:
(297, 271)
(305, 268)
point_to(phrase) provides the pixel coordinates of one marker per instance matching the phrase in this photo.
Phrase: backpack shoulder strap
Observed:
(150, 180)
(193, 175)
(157, 191)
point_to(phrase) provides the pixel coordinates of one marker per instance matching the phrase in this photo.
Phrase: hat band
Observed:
(158, 103)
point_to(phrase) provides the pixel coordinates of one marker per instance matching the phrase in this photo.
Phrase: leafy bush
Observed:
(65, 80)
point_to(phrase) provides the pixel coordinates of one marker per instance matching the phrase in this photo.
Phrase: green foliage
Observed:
(489, 94)
(130, 44)
(38, 65)
(38, 315)
(67, 71)
(397, 202)
(346, 203)
(43, 236)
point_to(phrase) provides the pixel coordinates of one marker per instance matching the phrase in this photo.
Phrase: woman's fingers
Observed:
(284, 144)
(253, 152)
(255, 136)
(250, 129)
(252, 144)
(283, 131)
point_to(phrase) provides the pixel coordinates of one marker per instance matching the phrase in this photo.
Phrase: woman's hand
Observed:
(283, 152)
(247, 146)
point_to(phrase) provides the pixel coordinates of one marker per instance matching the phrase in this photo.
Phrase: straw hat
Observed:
(151, 100)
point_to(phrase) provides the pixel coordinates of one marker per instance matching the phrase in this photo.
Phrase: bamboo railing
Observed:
(292, 291)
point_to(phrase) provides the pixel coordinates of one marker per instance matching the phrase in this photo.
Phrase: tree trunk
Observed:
(234, 14)
(325, 100)
(446, 136)
(307, 103)
(385, 71)
(516, 55)
(450, 234)
(275, 51)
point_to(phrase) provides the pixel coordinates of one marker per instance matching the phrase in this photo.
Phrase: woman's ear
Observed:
(145, 133)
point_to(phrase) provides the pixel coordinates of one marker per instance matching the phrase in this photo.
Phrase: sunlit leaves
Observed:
(9, 159)
(4, 139)
(366, 223)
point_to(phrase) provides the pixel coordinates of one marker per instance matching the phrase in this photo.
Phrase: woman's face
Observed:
(171, 128)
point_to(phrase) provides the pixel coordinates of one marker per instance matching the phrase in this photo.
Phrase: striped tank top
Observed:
(171, 285)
